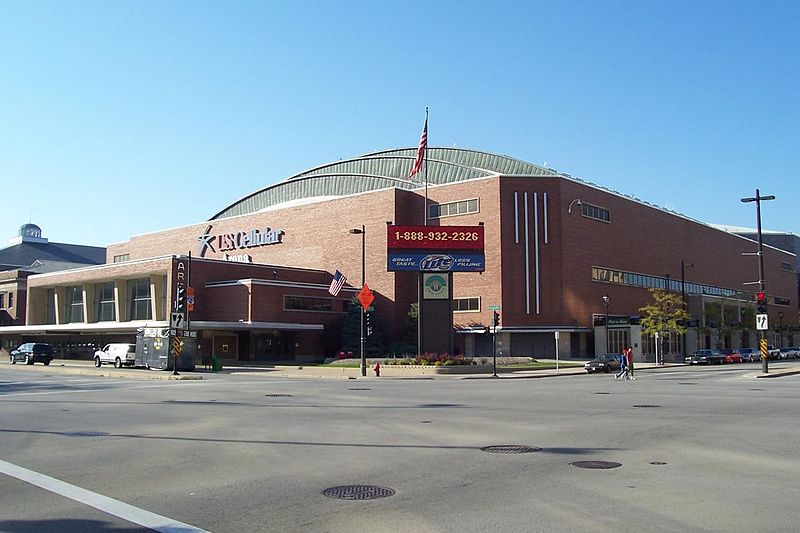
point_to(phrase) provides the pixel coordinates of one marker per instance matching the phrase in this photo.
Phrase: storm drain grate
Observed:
(647, 406)
(359, 388)
(755, 389)
(358, 492)
(86, 434)
(510, 448)
(602, 393)
(596, 465)
(279, 395)
(687, 383)
(657, 463)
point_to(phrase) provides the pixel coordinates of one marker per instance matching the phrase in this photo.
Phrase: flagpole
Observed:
(426, 166)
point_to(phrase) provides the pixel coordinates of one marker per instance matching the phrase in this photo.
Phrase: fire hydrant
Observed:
(377, 369)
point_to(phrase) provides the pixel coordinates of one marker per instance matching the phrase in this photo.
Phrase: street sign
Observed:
(494, 308)
(762, 323)
(177, 320)
(366, 297)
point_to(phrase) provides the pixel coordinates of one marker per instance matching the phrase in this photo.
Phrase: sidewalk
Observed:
(87, 368)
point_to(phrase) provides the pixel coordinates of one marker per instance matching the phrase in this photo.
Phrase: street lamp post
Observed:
(605, 303)
(780, 328)
(363, 233)
(684, 266)
(762, 284)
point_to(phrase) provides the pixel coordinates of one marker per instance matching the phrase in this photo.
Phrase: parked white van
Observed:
(119, 354)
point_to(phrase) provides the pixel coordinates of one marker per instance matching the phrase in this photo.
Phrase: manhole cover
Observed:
(358, 492)
(596, 465)
(86, 434)
(755, 389)
(647, 406)
(359, 388)
(602, 393)
(510, 448)
(657, 463)
(686, 383)
(279, 395)
(427, 421)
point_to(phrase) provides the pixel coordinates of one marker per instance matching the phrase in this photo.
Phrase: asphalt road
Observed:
(700, 449)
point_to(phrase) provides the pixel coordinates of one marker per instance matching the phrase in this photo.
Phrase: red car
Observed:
(732, 356)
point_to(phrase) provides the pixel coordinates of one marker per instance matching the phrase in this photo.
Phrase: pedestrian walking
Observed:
(628, 353)
(623, 367)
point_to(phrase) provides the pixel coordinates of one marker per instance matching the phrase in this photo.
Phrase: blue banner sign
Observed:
(435, 262)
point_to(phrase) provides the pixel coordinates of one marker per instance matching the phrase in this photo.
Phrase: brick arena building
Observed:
(554, 247)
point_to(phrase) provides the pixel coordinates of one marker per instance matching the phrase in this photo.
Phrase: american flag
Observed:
(423, 145)
(338, 281)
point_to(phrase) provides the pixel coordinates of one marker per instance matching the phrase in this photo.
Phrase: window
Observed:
(104, 296)
(74, 311)
(2, 300)
(786, 266)
(595, 212)
(452, 209)
(10, 300)
(139, 291)
(303, 303)
(466, 304)
(122, 258)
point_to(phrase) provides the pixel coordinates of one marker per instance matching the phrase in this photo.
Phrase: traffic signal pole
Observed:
(762, 340)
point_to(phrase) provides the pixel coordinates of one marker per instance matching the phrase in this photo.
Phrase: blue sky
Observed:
(121, 118)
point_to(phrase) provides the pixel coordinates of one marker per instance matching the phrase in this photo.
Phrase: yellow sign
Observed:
(762, 345)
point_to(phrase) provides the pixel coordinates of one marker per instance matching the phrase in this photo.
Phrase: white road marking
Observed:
(98, 501)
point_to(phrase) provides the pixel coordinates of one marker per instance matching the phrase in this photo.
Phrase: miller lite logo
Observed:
(436, 262)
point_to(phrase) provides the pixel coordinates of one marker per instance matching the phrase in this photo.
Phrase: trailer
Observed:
(158, 348)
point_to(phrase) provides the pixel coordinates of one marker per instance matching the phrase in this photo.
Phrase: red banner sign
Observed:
(435, 237)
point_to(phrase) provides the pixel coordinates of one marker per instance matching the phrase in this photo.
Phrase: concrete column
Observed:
(61, 305)
(89, 307)
(157, 297)
(121, 299)
(36, 311)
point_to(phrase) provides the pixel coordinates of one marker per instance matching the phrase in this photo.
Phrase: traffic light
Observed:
(180, 299)
(761, 303)
(495, 319)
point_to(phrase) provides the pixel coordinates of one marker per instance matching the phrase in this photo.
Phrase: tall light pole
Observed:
(363, 233)
(762, 284)
(605, 303)
(684, 266)
(780, 328)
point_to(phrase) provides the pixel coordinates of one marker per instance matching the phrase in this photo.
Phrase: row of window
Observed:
(305, 303)
(598, 213)
(139, 302)
(656, 282)
(451, 209)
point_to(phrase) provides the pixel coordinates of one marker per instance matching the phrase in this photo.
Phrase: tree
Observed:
(351, 332)
(665, 315)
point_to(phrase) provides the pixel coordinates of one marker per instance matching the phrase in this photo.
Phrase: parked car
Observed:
(604, 363)
(774, 353)
(732, 355)
(118, 354)
(706, 357)
(789, 352)
(32, 352)
(750, 354)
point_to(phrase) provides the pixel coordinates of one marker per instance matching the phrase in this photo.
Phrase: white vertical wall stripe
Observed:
(527, 258)
(536, 247)
(516, 217)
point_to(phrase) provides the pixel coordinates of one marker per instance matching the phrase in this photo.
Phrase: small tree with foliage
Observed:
(665, 315)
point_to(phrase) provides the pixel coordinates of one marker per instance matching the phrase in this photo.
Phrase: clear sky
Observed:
(124, 117)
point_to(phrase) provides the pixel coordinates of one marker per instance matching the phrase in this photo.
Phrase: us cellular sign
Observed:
(435, 248)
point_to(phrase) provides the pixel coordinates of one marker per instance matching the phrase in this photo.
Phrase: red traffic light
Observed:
(760, 296)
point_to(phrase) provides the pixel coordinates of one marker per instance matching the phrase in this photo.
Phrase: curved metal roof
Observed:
(381, 170)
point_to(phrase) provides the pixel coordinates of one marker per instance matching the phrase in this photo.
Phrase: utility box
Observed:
(156, 349)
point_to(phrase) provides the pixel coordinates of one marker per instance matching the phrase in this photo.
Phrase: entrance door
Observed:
(226, 346)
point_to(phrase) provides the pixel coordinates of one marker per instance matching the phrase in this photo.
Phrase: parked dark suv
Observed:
(32, 352)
